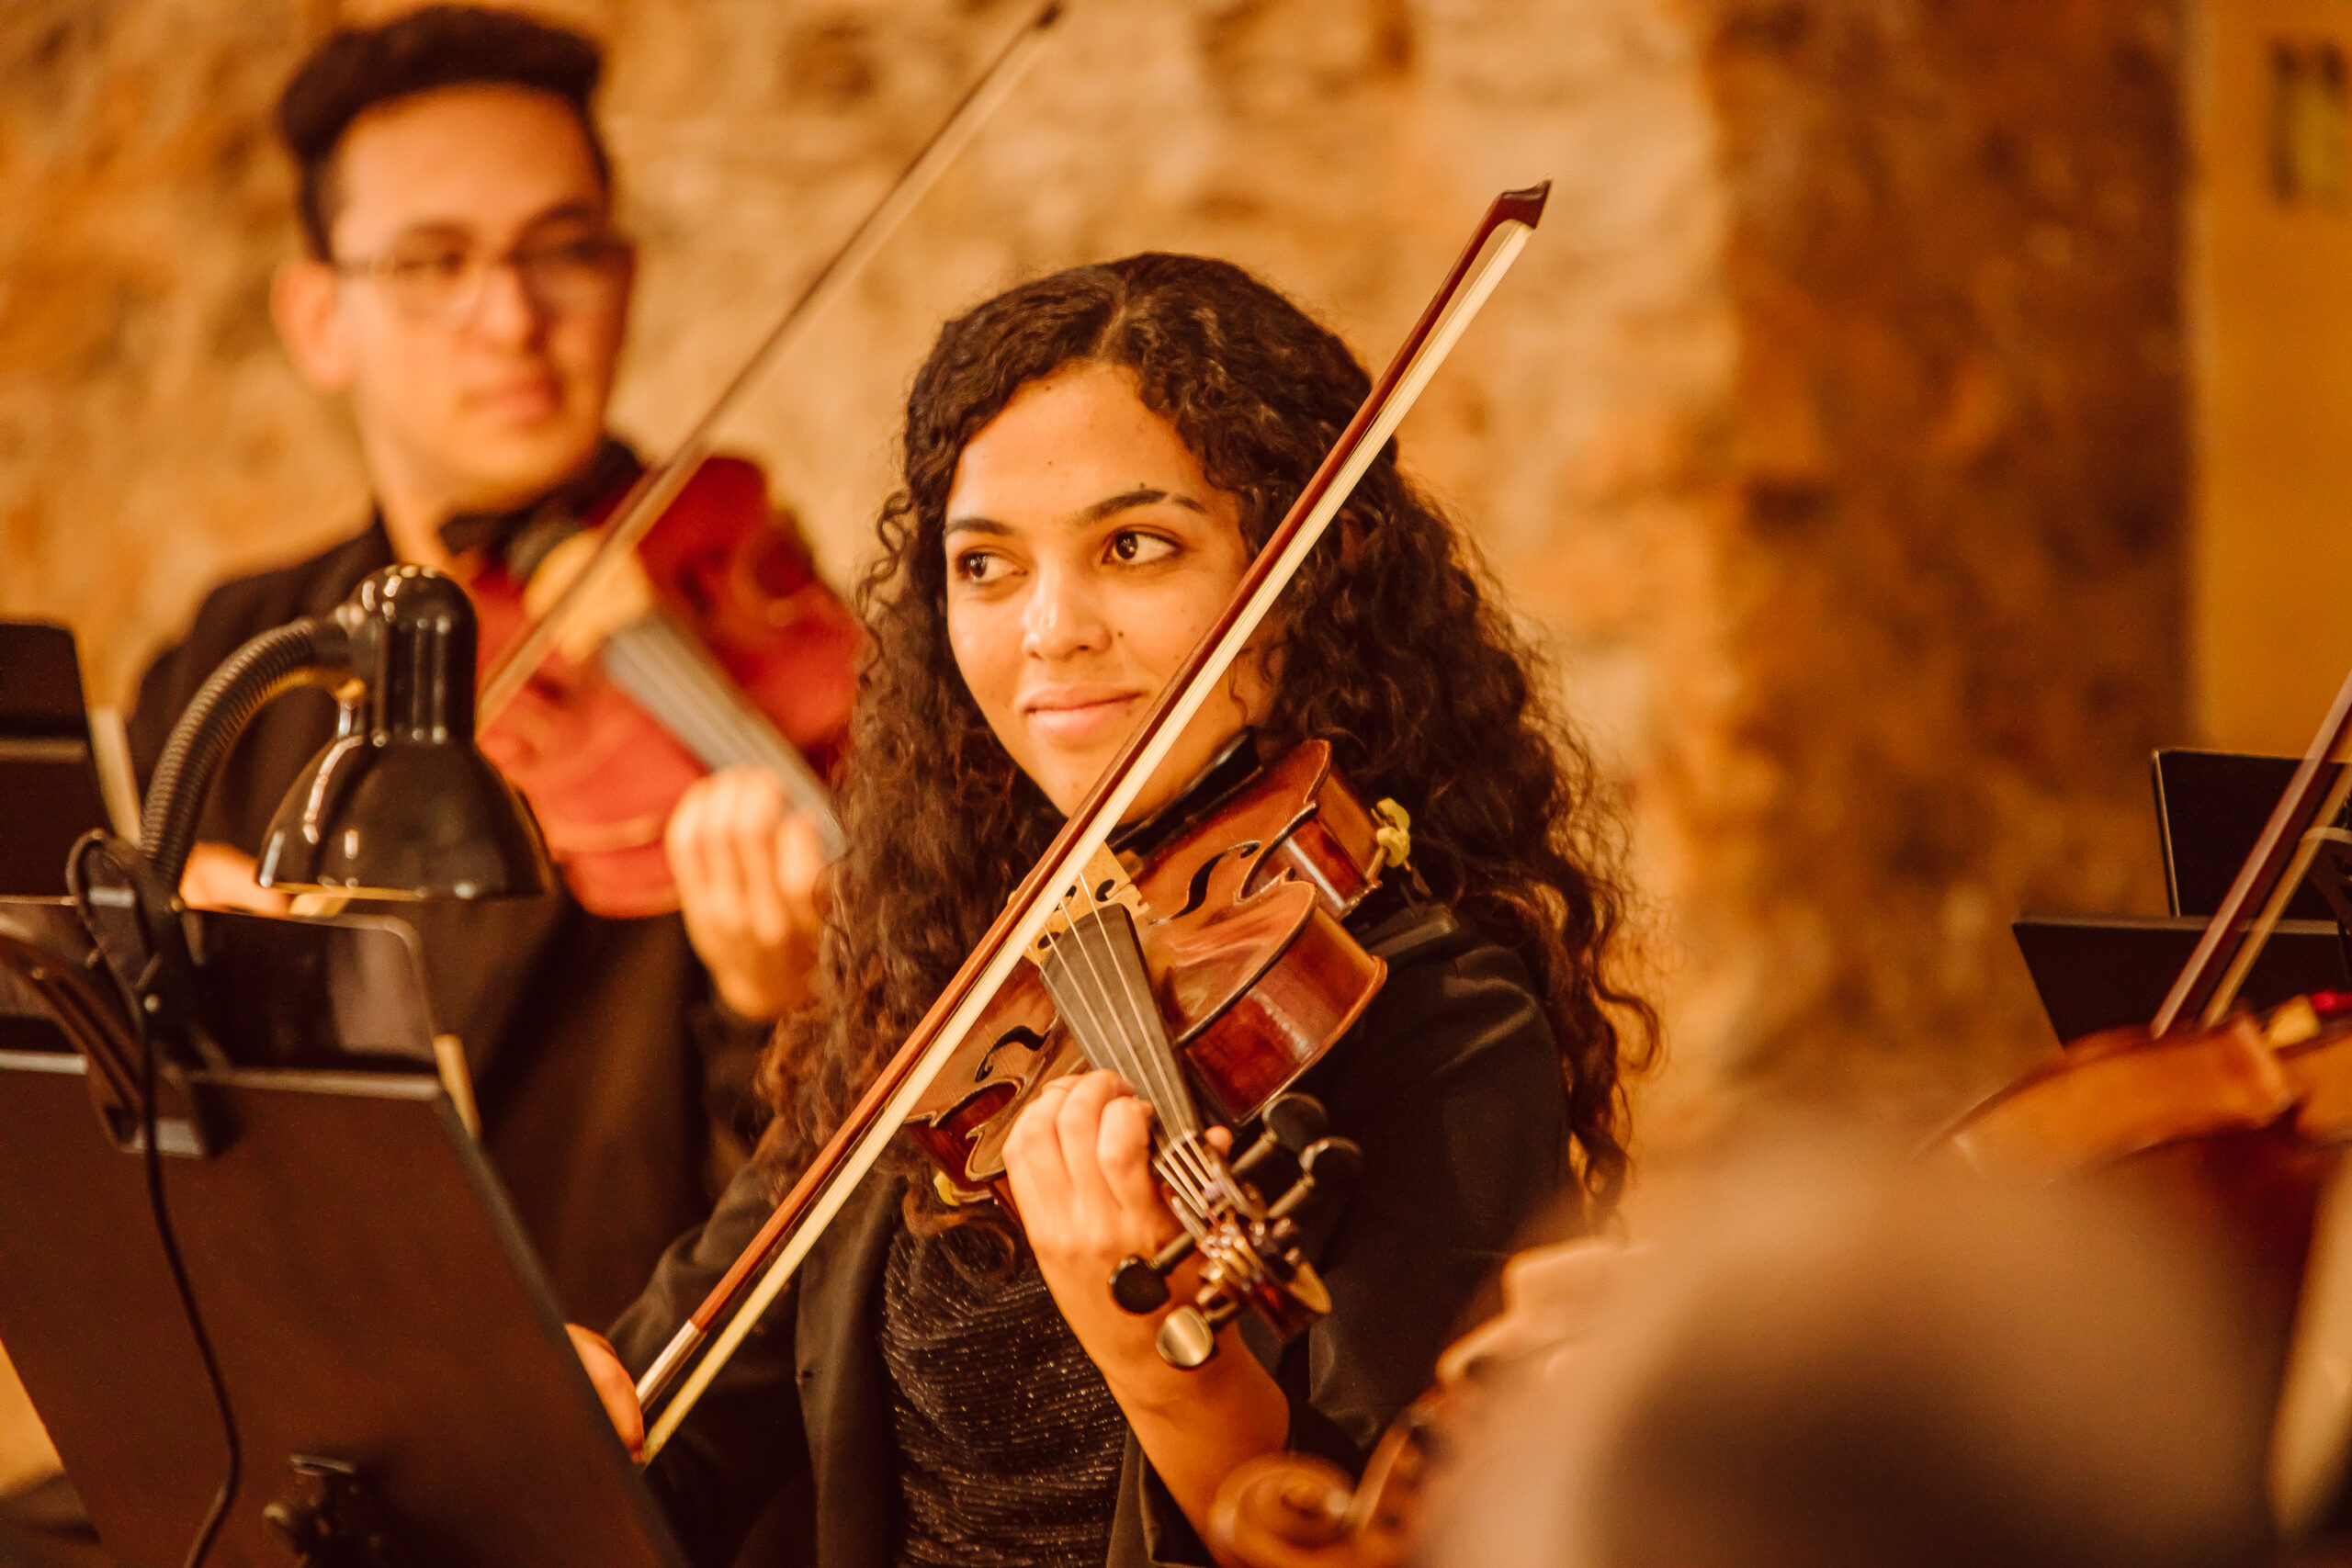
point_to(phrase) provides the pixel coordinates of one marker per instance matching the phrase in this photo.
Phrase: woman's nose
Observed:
(1063, 617)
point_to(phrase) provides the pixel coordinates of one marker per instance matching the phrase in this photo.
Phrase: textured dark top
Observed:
(610, 1083)
(1009, 1440)
(1450, 1084)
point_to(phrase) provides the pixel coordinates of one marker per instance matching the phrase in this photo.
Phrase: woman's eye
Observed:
(975, 566)
(1131, 548)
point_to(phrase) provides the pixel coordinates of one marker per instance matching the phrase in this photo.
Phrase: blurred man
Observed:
(1823, 1363)
(464, 291)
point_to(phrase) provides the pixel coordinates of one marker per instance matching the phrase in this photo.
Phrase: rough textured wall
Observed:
(1952, 578)
(1829, 434)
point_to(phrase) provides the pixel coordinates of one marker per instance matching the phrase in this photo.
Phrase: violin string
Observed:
(685, 689)
(1183, 1124)
(1136, 1055)
(1143, 1018)
(1140, 1019)
(1089, 933)
(1082, 993)
(1078, 959)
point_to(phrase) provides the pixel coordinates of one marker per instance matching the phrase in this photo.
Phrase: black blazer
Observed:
(1450, 1084)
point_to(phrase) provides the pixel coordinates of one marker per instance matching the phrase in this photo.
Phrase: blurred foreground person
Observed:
(1823, 1363)
(464, 291)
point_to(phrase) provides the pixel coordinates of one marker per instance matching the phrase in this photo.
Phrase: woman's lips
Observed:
(1080, 715)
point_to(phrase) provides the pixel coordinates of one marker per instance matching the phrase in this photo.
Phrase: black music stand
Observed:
(372, 1302)
(2211, 807)
(2103, 973)
(48, 777)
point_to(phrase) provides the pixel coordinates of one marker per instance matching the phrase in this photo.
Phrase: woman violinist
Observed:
(1090, 462)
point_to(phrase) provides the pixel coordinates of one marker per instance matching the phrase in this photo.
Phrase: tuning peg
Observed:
(1327, 1167)
(1292, 1123)
(1188, 1335)
(1140, 1284)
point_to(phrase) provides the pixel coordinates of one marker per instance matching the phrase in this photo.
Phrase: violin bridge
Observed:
(1104, 882)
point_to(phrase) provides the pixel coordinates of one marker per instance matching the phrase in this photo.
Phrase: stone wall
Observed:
(1951, 573)
(1828, 434)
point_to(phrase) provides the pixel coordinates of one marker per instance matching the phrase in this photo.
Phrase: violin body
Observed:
(601, 773)
(2236, 1130)
(1253, 971)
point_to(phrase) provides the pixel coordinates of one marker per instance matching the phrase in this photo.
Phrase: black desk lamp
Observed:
(400, 803)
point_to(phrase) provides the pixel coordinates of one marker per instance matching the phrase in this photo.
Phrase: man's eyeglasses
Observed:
(441, 281)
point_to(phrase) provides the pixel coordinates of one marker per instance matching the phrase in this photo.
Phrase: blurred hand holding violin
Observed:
(750, 880)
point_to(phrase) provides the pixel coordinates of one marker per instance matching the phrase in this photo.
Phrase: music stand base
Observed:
(330, 1518)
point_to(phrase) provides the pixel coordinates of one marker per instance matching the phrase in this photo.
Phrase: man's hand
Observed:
(613, 1385)
(748, 874)
(220, 878)
(622, 593)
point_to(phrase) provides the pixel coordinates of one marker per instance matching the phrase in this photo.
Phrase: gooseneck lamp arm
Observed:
(400, 803)
(309, 652)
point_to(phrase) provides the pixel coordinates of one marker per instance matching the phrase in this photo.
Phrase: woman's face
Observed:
(1087, 554)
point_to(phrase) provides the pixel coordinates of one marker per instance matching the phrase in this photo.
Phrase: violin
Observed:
(1229, 934)
(741, 659)
(1293, 1510)
(2237, 1124)
(1183, 946)
(744, 659)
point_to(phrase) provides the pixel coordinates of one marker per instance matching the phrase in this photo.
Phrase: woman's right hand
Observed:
(613, 1385)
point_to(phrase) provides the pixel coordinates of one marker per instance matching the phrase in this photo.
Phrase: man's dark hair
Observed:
(357, 69)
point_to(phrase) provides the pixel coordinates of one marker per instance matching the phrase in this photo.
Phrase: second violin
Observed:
(733, 654)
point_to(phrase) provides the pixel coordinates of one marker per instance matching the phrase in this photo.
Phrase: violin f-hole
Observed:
(1019, 1035)
(1196, 892)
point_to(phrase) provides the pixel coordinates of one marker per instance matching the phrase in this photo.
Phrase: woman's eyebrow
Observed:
(1142, 495)
(978, 525)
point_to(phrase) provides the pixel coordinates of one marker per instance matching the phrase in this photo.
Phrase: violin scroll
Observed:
(1294, 1511)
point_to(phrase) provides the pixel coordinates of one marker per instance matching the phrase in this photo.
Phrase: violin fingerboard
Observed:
(675, 680)
(1095, 970)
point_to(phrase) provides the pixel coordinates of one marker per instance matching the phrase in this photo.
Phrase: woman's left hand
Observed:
(1079, 1163)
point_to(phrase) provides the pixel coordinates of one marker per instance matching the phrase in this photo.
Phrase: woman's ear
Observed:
(303, 296)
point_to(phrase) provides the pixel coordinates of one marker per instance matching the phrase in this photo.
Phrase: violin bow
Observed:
(769, 1263)
(655, 488)
(2209, 984)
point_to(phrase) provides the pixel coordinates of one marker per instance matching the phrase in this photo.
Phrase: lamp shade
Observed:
(403, 803)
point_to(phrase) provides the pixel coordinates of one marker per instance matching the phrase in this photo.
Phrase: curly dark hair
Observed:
(1390, 647)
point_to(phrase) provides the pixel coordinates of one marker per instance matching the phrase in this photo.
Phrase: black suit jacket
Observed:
(1450, 1083)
